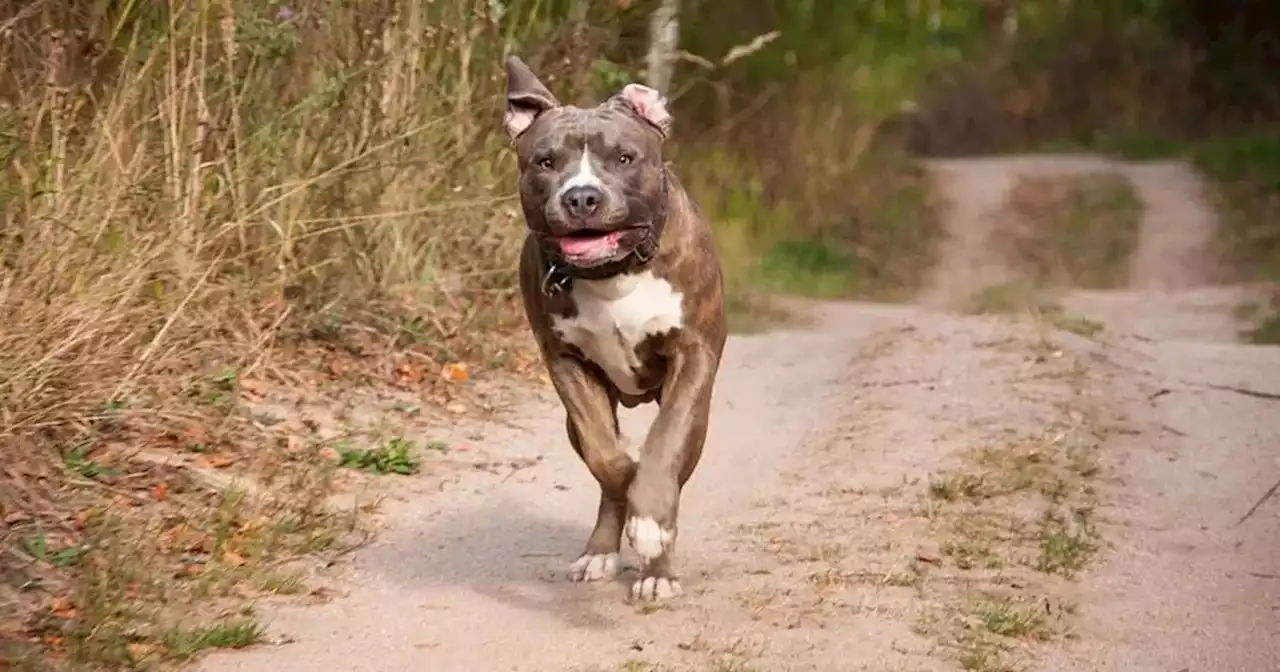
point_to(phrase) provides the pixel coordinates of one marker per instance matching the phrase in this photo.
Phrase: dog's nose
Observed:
(582, 201)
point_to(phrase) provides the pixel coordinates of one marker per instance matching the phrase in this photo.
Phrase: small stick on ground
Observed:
(1258, 504)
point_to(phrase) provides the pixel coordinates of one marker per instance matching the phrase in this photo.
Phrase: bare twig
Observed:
(1258, 504)
(1240, 390)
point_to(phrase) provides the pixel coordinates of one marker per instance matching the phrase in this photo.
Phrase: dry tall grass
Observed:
(175, 193)
(187, 186)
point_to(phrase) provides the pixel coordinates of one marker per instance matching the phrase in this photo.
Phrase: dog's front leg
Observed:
(592, 425)
(670, 454)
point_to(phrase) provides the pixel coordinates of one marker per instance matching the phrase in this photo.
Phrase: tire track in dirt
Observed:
(1182, 587)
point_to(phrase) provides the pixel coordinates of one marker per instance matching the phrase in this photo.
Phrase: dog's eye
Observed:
(545, 163)
(625, 158)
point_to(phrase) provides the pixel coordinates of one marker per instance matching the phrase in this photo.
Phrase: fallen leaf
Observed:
(456, 408)
(410, 373)
(160, 492)
(219, 461)
(234, 559)
(455, 372)
(253, 386)
(63, 608)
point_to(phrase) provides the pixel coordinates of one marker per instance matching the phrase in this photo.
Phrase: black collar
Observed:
(559, 275)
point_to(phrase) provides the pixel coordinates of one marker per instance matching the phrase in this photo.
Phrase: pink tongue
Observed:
(592, 247)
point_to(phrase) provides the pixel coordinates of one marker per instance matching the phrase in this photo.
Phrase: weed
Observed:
(37, 546)
(983, 659)
(396, 456)
(277, 583)
(77, 460)
(1008, 619)
(235, 634)
(1016, 296)
(971, 550)
(951, 487)
(909, 576)
(1081, 326)
(1067, 541)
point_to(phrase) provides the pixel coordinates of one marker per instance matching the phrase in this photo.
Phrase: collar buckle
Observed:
(556, 281)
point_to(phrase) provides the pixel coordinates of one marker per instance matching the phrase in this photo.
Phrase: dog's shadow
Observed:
(505, 552)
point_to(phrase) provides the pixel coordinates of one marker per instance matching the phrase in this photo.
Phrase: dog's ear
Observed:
(526, 97)
(648, 104)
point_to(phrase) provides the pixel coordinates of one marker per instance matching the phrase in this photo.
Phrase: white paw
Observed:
(655, 588)
(602, 567)
(648, 538)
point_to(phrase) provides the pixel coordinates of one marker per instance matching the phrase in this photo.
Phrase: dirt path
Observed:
(816, 534)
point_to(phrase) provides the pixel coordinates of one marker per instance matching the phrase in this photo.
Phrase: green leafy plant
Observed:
(393, 457)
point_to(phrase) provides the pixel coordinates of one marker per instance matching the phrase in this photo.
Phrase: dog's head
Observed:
(592, 181)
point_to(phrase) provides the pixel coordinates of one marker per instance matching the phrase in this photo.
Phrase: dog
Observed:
(624, 292)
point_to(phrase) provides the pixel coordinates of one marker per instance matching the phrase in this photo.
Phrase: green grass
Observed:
(1245, 175)
(869, 233)
(808, 268)
(1068, 540)
(396, 456)
(1009, 619)
(1248, 157)
(234, 634)
(1022, 297)
(1267, 331)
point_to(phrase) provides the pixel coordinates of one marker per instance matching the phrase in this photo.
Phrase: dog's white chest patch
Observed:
(615, 316)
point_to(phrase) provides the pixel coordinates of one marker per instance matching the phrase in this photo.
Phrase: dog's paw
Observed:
(600, 567)
(649, 539)
(655, 589)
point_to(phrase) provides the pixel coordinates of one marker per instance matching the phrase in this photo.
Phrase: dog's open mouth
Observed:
(589, 245)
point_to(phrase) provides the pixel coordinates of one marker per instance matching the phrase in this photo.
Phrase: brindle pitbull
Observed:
(623, 290)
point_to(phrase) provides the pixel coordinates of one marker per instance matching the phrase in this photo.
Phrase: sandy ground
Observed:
(804, 530)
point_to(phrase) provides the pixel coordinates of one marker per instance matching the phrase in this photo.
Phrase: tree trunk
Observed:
(664, 38)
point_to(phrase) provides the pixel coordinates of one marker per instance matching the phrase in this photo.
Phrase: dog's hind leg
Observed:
(592, 426)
